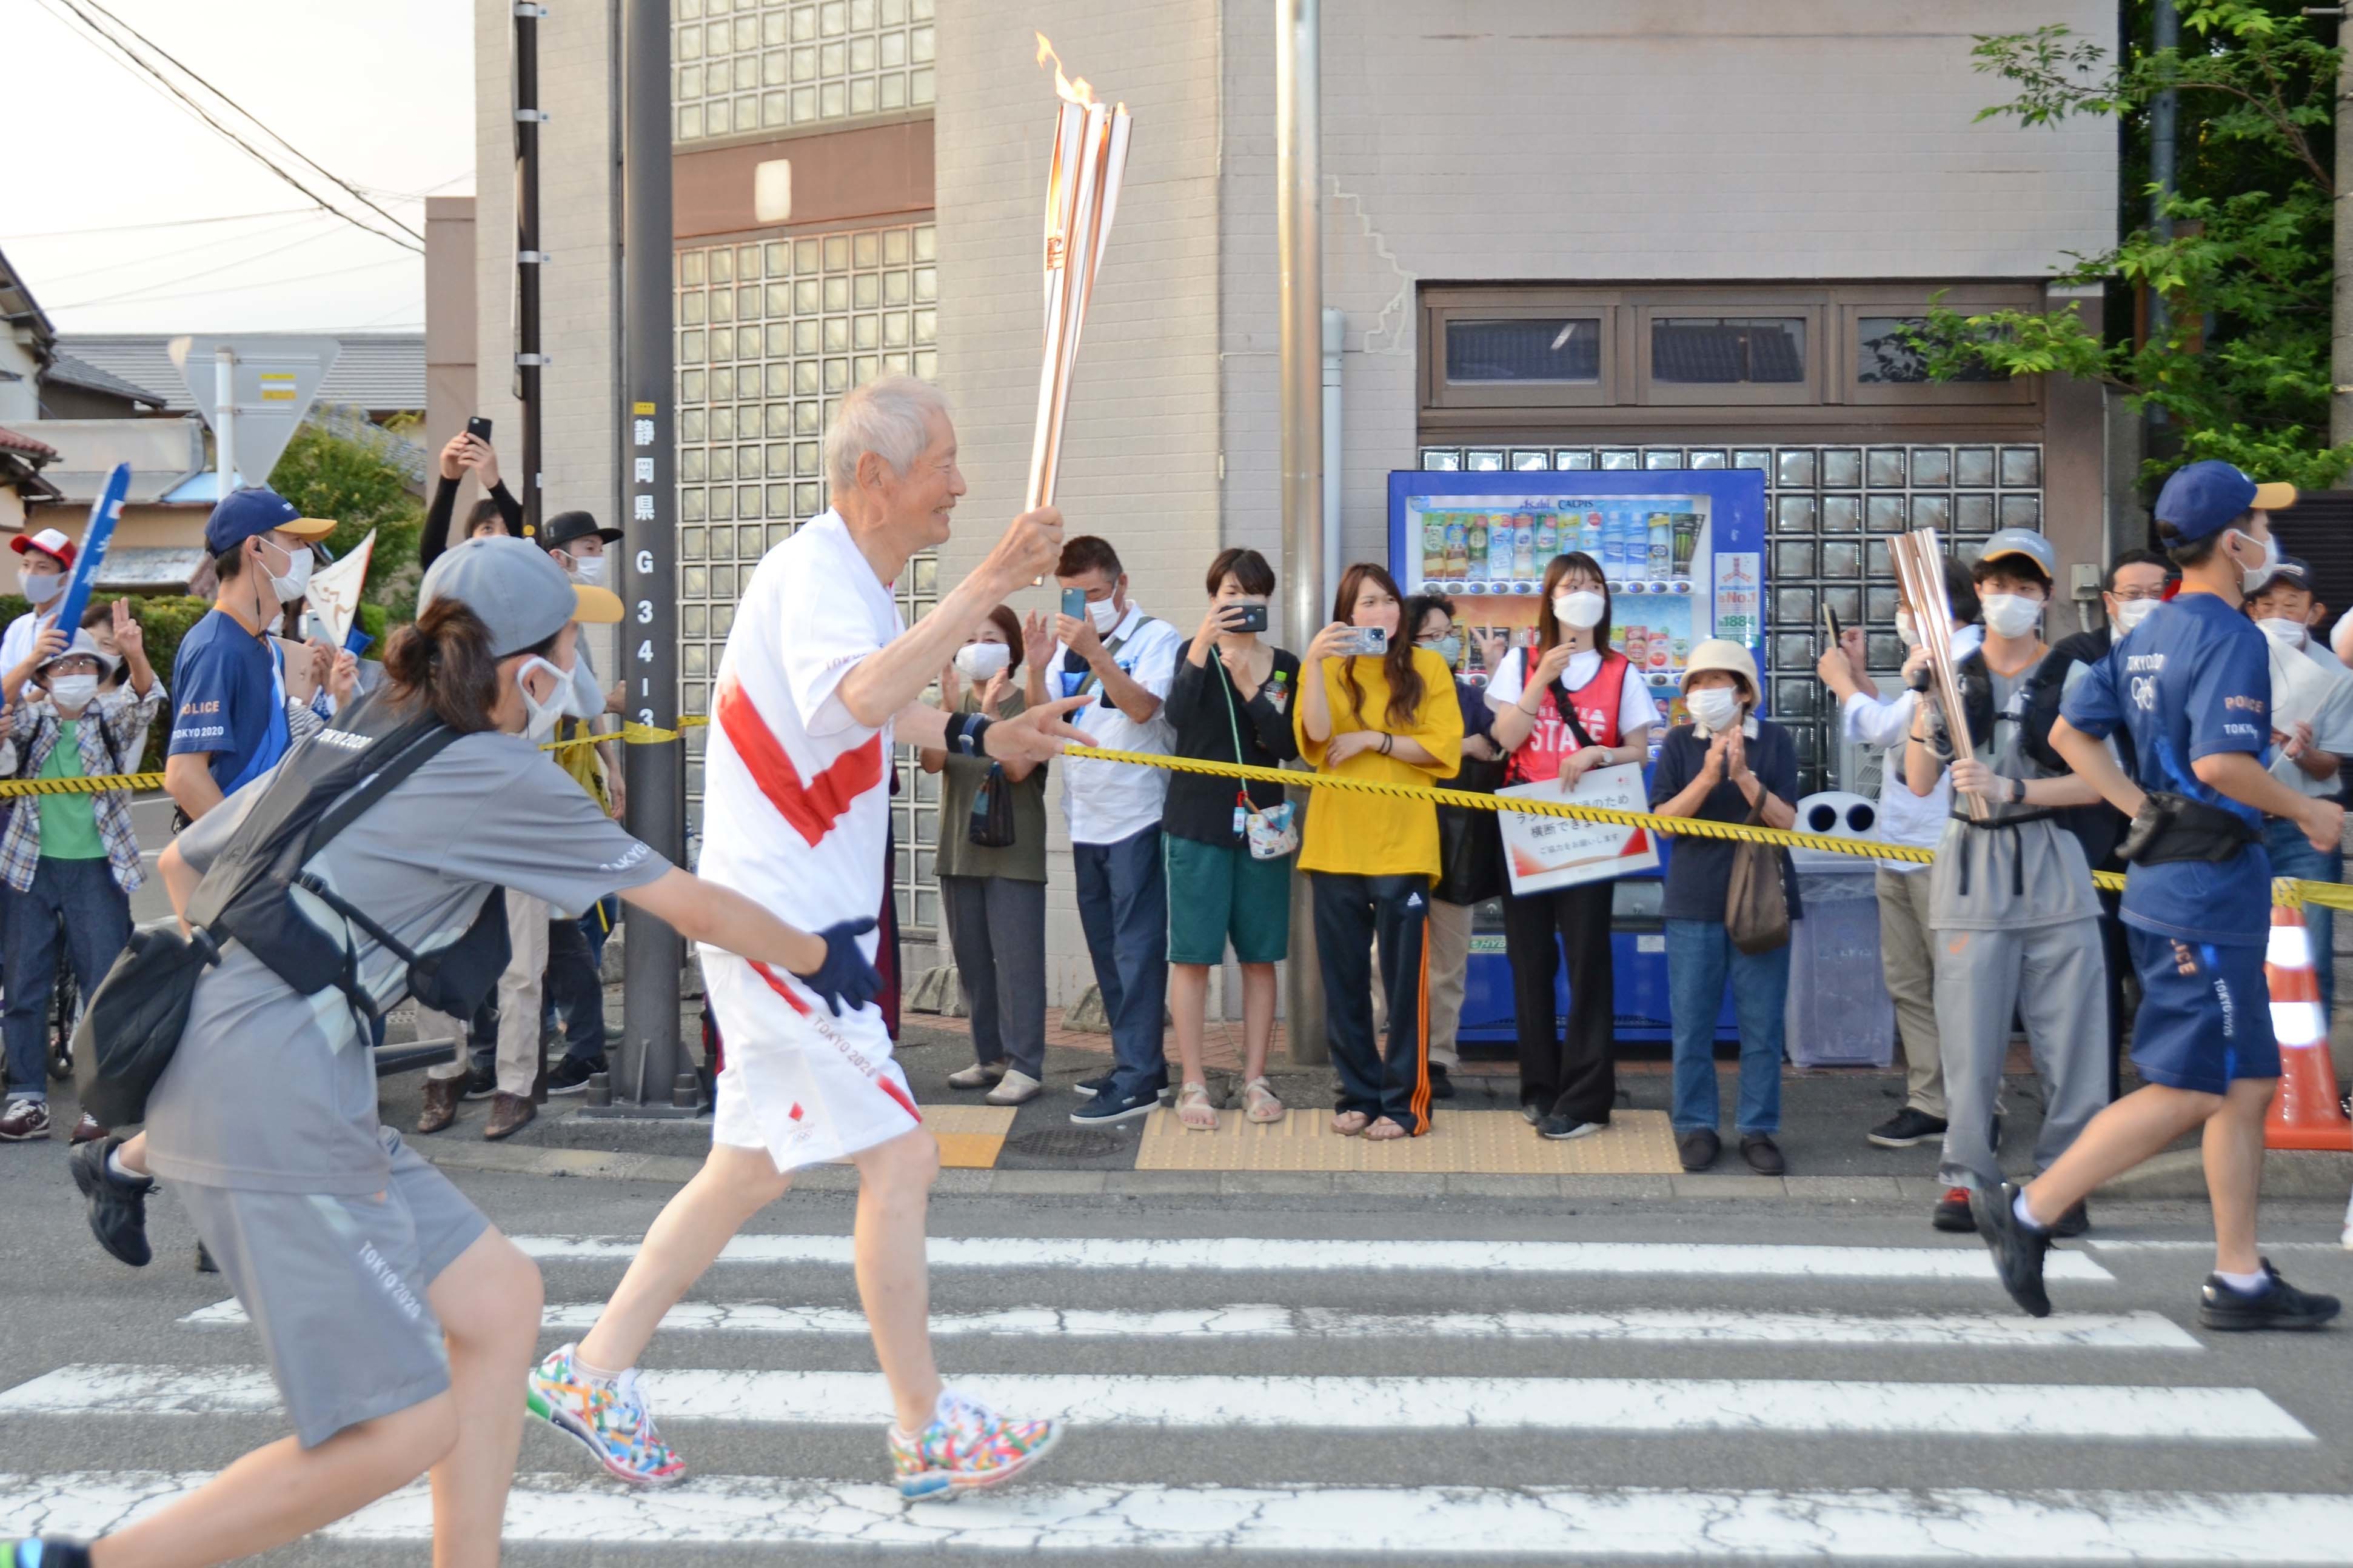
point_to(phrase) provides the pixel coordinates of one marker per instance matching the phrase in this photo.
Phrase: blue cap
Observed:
(256, 508)
(2205, 498)
(2025, 542)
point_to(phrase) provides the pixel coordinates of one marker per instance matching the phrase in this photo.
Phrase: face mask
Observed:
(1905, 632)
(2012, 615)
(42, 586)
(1104, 614)
(2253, 577)
(1582, 609)
(74, 691)
(2282, 631)
(2130, 612)
(980, 661)
(1717, 708)
(1448, 647)
(588, 568)
(297, 580)
(544, 716)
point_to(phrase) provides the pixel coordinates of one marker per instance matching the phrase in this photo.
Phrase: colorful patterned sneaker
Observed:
(608, 1419)
(968, 1447)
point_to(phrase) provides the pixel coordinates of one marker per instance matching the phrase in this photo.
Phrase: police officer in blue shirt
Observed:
(2189, 687)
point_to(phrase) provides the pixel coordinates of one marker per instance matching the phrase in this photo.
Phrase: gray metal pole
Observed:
(650, 1073)
(225, 418)
(2340, 300)
(2165, 33)
(528, 361)
(1300, 245)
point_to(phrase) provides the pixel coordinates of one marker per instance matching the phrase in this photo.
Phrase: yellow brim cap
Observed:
(2273, 496)
(598, 606)
(310, 527)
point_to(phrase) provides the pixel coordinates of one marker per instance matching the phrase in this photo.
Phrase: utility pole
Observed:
(1300, 249)
(2340, 298)
(528, 118)
(2165, 33)
(650, 1077)
(224, 419)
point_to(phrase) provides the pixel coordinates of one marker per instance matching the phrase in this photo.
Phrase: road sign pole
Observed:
(529, 359)
(225, 416)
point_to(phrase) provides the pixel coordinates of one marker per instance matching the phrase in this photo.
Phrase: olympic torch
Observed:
(1089, 155)
(1920, 570)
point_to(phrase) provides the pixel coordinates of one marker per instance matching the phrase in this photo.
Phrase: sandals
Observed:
(1259, 1104)
(1194, 1110)
(1384, 1130)
(1349, 1123)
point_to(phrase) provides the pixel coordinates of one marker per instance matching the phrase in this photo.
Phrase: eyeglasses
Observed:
(2134, 595)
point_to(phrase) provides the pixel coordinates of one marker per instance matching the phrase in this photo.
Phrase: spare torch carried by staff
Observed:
(1920, 570)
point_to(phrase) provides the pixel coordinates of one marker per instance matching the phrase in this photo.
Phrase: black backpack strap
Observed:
(411, 754)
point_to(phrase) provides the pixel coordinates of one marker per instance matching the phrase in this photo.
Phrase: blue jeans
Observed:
(2293, 856)
(1700, 959)
(97, 918)
(1123, 908)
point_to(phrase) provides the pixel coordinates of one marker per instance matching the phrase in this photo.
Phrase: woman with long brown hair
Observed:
(1388, 717)
(1583, 706)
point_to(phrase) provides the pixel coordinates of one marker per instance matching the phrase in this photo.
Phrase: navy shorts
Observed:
(2205, 1014)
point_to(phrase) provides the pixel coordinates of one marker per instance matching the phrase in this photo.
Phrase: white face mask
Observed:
(73, 691)
(297, 580)
(981, 660)
(1104, 614)
(2282, 631)
(2253, 577)
(588, 568)
(40, 587)
(1717, 708)
(544, 716)
(1582, 609)
(2130, 612)
(1905, 632)
(2012, 615)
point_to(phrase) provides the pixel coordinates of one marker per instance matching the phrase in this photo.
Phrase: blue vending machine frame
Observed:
(1704, 578)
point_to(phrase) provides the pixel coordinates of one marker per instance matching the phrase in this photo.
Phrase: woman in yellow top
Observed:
(1390, 718)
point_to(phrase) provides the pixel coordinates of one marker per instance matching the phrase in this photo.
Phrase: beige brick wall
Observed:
(1144, 430)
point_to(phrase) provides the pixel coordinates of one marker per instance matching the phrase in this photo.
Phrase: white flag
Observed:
(334, 594)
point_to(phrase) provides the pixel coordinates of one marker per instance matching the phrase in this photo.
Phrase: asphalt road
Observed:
(1356, 1380)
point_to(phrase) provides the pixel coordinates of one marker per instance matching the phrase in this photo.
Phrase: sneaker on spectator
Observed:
(571, 1074)
(1088, 1088)
(966, 1447)
(24, 1120)
(118, 1204)
(481, 1083)
(1560, 1128)
(1953, 1212)
(1017, 1088)
(1531, 1113)
(1106, 1107)
(1442, 1082)
(1907, 1129)
(88, 1130)
(981, 1075)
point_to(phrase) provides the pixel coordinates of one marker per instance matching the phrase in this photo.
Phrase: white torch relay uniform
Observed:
(795, 811)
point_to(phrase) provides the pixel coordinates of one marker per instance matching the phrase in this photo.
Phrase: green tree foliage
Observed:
(358, 484)
(2242, 369)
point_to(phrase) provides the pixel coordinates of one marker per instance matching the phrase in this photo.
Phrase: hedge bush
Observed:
(165, 619)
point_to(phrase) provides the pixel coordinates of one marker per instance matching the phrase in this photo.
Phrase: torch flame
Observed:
(1066, 89)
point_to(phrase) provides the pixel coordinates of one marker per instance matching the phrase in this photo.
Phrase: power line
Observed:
(180, 257)
(145, 289)
(155, 77)
(161, 222)
(269, 282)
(248, 115)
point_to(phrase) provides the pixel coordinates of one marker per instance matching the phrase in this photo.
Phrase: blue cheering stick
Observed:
(104, 513)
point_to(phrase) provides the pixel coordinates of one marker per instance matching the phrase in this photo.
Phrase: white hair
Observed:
(889, 417)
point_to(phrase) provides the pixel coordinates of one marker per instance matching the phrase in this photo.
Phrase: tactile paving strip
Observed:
(1486, 1142)
(970, 1135)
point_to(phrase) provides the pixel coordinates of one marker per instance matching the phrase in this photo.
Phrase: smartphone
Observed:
(480, 429)
(1364, 641)
(1830, 624)
(1074, 603)
(1245, 617)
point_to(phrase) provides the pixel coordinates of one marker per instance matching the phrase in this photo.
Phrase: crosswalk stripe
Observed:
(2145, 1243)
(2118, 1412)
(2087, 1331)
(1647, 1525)
(1234, 1254)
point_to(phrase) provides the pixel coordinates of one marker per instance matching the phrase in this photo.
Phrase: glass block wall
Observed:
(1830, 511)
(770, 335)
(739, 65)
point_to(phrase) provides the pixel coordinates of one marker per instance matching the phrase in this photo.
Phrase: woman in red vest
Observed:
(1586, 708)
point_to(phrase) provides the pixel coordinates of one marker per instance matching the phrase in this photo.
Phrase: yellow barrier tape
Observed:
(14, 787)
(633, 734)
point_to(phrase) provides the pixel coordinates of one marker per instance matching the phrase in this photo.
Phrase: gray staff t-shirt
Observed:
(276, 1092)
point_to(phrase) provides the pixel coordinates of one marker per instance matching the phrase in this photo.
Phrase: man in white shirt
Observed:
(1125, 661)
(44, 561)
(2312, 733)
(1911, 819)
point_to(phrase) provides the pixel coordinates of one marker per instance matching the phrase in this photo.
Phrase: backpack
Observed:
(133, 1026)
(2099, 827)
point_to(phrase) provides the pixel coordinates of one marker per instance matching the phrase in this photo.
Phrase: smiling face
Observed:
(916, 506)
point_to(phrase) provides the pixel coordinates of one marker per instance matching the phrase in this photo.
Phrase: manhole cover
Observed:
(1065, 1143)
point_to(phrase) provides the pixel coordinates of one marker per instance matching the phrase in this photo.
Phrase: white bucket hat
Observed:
(1720, 653)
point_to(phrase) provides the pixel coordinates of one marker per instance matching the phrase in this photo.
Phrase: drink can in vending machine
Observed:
(1476, 546)
(1433, 546)
(1638, 646)
(1457, 546)
(1659, 544)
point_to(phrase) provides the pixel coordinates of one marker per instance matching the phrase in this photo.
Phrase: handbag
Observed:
(1272, 834)
(991, 825)
(1756, 904)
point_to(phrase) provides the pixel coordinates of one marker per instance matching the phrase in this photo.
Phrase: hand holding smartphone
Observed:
(1245, 617)
(1362, 642)
(1074, 603)
(480, 429)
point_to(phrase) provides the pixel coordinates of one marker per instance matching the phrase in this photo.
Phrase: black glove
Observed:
(1919, 679)
(844, 975)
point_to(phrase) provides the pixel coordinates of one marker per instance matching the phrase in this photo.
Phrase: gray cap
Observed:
(84, 645)
(2022, 542)
(523, 597)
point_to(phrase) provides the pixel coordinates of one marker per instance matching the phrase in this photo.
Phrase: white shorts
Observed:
(797, 1081)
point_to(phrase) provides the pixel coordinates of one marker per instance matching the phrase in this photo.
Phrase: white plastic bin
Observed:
(1840, 1014)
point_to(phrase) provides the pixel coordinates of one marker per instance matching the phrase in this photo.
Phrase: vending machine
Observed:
(1683, 552)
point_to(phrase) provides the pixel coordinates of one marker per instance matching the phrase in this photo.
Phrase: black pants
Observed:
(1350, 912)
(1569, 1074)
(2118, 956)
(576, 990)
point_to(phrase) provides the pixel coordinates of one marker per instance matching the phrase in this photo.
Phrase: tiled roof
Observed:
(80, 373)
(376, 371)
(41, 451)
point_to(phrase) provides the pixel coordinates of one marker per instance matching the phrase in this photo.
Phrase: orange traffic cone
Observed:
(2304, 1113)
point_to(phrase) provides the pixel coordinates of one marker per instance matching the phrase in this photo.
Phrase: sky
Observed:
(380, 93)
